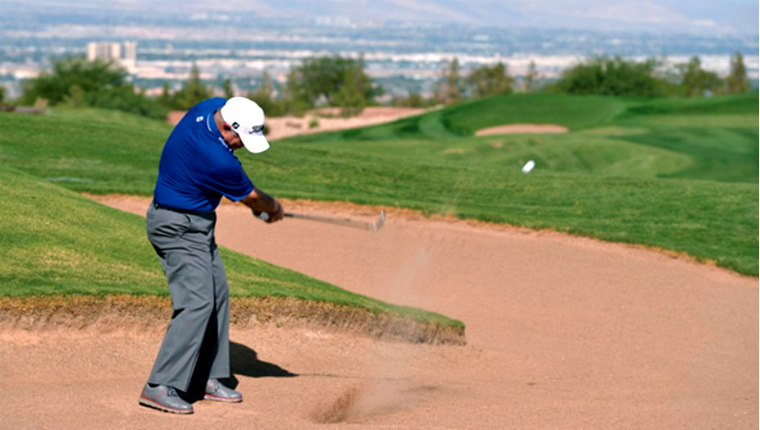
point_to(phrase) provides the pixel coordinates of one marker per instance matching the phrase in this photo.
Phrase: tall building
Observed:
(127, 56)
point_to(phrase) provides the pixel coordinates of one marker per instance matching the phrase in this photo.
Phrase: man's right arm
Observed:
(260, 201)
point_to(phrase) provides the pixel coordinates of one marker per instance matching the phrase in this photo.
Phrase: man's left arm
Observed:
(230, 180)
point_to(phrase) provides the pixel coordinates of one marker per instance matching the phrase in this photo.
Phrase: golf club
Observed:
(364, 225)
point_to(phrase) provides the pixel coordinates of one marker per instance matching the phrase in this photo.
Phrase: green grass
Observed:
(679, 174)
(723, 154)
(708, 220)
(60, 243)
(101, 151)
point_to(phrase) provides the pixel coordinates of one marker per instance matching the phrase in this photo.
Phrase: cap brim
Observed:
(255, 143)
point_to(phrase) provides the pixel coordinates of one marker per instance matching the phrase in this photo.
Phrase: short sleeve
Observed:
(228, 179)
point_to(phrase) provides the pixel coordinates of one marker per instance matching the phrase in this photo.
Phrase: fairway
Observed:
(676, 174)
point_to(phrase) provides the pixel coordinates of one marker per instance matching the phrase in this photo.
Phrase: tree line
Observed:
(76, 82)
(612, 76)
(343, 82)
(618, 77)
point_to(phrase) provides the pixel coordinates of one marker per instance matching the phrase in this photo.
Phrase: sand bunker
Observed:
(563, 332)
(522, 128)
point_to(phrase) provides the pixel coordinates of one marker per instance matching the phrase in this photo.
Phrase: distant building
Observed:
(124, 54)
(130, 56)
(103, 51)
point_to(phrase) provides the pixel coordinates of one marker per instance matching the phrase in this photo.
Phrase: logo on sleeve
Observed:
(199, 119)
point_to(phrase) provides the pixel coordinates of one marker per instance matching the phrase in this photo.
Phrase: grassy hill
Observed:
(61, 243)
(679, 174)
(710, 139)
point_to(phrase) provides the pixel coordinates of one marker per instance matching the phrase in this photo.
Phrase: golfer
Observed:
(197, 168)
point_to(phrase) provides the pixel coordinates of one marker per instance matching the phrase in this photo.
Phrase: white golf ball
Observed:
(528, 166)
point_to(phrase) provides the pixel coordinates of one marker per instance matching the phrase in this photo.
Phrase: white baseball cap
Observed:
(247, 120)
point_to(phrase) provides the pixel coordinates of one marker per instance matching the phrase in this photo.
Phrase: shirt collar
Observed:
(214, 130)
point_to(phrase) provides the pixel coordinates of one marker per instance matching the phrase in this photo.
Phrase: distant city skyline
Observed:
(404, 51)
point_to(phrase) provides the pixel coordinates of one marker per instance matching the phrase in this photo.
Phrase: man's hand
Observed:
(275, 216)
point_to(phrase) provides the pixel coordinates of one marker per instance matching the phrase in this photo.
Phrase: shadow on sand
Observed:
(244, 361)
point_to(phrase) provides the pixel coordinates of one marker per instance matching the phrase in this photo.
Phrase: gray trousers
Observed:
(196, 344)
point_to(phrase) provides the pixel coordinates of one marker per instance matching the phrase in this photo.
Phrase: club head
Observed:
(380, 221)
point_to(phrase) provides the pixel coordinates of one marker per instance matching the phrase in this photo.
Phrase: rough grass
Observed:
(60, 243)
(738, 104)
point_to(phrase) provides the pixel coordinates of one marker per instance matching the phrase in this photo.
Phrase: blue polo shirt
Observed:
(197, 167)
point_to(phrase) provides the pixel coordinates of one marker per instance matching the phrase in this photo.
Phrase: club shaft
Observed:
(330, 220)
(371, 226)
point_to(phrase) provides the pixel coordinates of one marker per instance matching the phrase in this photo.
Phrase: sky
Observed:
(727, 16)
(708, 17)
